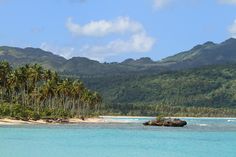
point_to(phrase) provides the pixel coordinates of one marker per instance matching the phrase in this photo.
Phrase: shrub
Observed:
(35, 116)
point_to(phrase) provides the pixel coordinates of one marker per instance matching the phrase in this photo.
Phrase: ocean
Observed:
(202, 137)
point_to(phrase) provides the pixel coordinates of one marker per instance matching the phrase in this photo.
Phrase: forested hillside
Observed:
(210, 87)
(208, 53)
(201, 80)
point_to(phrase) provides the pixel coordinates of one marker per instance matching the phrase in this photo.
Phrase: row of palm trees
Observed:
(34, 87)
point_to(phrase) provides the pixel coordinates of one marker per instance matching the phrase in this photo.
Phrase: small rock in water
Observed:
(166, 122)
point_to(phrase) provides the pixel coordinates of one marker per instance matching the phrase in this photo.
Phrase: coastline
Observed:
(7, 121)
(97, 120)
(167, 117)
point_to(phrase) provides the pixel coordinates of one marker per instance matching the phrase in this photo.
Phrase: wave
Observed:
(203, 124)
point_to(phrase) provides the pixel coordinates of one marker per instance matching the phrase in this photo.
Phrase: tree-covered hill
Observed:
(210, 86)
(18, 57)
(203, 77)
(206, 54)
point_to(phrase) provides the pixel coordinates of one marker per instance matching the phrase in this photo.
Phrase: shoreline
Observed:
(167, 117)
(8, 121)
(97, 120)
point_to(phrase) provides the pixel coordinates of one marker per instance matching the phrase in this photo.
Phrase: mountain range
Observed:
(208, 53)
(204, 76)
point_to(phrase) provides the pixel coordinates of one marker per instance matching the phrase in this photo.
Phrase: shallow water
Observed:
(201, 138)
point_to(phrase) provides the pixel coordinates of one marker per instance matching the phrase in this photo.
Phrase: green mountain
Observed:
(74, 66)
(205, 54)
(19, 56)
(211, 86)
(201, 55)
(205, 91)
(204, 76)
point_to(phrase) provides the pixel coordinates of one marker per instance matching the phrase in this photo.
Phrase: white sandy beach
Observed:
(100, 119)
(7, 121)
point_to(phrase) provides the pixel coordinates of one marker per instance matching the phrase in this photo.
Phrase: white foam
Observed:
(203, 125)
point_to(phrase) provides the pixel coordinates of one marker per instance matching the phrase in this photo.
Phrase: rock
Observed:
(48, 120)
(60, 120)
(82, 117)
(24, 119)
(56, 120)
(166, 122)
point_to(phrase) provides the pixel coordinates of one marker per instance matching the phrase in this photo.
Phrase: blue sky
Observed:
(113, 30)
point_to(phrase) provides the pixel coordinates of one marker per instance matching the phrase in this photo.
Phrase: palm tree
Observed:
(14, 84)
(97, 99)
(87, 101)
(47, 91)
(37, 89)
(63, 91)
(76, 92)
(5, 70)
(36, 74)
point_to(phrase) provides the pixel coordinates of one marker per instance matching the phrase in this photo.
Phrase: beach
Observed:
(7, 121)
(101, 119)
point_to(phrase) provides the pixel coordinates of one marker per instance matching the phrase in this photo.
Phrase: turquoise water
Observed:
(201, 138)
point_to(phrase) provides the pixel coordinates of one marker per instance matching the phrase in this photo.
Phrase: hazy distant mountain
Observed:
(206, 54)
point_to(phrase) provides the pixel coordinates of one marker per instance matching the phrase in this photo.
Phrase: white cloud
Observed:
(136, 39)
(159, 4)
(228, 1)
(137, 43)
(232, 29)
(103, 27)
(66, 52)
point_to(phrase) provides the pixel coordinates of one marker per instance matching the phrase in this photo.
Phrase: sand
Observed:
(7, 121)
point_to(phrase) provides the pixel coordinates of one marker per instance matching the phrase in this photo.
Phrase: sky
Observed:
(114, 30)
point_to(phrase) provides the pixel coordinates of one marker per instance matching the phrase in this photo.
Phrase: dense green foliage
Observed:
(136, 87)
(166, 110)
(202, 89)
(32, 92)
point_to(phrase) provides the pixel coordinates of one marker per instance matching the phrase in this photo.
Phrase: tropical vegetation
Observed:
(205, 91)
(32, 92)
(197, 82)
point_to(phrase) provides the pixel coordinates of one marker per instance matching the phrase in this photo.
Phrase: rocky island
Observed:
(168, 122)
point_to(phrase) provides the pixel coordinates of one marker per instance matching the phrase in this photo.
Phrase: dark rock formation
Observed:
(166, 122)
(56, 120)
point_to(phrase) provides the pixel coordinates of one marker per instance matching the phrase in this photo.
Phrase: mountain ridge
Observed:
(203, 76)
(208, 53)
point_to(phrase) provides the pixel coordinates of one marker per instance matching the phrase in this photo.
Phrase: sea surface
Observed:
(202, 137)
